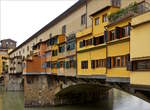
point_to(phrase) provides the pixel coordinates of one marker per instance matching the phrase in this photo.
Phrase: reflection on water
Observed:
(117, 100)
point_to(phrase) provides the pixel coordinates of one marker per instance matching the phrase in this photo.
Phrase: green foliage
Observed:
(131, 8)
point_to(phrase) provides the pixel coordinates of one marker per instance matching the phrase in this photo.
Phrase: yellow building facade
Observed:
(140, 52)
(118, 51)
(91, 45)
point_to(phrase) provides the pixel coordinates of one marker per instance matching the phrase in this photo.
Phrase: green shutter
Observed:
(58, 64)
(64, 64)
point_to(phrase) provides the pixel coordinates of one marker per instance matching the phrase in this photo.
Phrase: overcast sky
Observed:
(19, 19)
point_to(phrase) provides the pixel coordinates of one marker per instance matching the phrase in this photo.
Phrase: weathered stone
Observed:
(14, 83)
(44, 90)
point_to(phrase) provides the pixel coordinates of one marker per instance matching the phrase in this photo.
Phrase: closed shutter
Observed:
(58, 64)
(108, 62)
(129, 63)
(105, 36)
(129, 28)
(81, 44)
(93, 64)
(64, 64)
(74, 63)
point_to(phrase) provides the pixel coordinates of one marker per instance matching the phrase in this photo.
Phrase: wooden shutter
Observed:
(58, 64)
(105, 36)
(92, 64)
(129, 28)
(108, 62)
(129, 63)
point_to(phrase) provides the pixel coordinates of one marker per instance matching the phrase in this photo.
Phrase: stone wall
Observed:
(14, 82)
(44, 90)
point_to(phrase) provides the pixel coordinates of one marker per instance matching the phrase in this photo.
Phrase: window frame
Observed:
(84, 64)
(83, 19)
(97, 21)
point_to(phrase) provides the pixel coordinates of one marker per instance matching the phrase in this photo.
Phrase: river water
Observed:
(117, 100)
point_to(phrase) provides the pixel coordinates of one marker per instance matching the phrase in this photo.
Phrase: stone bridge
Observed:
(52, 90)
(48, 90)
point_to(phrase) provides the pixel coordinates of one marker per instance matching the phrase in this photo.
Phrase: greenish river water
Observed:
(117, 100)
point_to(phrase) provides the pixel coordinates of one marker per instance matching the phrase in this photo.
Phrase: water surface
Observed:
(117, 100)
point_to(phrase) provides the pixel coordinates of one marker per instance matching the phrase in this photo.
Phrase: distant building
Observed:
(7, 44)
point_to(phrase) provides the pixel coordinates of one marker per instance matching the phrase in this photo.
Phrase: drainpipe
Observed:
(106, 50)
(86, 12)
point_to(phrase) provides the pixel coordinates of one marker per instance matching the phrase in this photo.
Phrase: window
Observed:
(64, 29)
(119, 32)
(71, 46)
(62, 49)
(23, 51)
(40, 40)
(141, 65)
(50, 35)
(71, 64)
(92, 64)
(82, 44)
(54, 52)
(86, 42)
(105, 19)
(53, 41)
(126, 31)
(97, 21)
(98, 63)
(27, 48)
(84, 64)
(112, 35)
(83, 19)
(119, 61)
(116, 3)
(6, 44)
(98, 40)
(19, 52)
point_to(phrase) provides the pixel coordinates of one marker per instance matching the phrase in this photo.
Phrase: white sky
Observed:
(19, 19)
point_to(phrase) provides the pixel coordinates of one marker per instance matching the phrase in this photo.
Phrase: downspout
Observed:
(86, 12)
(106, 49)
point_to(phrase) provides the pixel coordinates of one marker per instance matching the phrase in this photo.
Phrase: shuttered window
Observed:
(141, 65)
(119, 32)
(119, 61)
(84, 64)
(98, 63)
(97, 21)
(83, 19)
(105, 18)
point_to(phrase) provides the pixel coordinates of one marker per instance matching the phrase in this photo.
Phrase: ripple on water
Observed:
(117, 100)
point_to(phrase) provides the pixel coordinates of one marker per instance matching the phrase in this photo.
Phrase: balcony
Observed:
(133, 9)
(84, 32)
